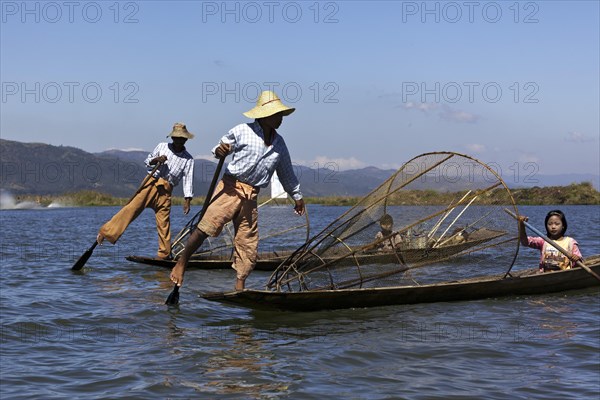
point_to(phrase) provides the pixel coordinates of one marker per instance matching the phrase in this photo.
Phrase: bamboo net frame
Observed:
(427, 242)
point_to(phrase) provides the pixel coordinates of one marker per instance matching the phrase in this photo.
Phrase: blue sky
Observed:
(377, 83)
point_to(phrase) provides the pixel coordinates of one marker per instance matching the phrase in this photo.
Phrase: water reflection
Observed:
(552, 323)
(232, 359)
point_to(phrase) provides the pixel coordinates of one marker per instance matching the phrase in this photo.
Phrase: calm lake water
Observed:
(106, 333)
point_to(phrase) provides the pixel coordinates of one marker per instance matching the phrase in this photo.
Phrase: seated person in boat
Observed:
(551, 259)
(458, 236)
(392, 239)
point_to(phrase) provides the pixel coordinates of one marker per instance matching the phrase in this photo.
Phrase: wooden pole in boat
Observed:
(450, 209)
(554, 244)
(173, 298)
(88, 253)
(454, 221)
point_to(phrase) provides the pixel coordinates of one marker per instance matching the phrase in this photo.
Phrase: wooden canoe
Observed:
(269, 261)
(525, 282)
(265, 262)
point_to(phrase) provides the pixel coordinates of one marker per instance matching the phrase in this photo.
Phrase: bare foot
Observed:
(177, 274)
(99, 239)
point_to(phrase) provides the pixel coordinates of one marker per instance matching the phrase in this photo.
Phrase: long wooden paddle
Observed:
(88, 253)
(554, 244)
(173, 298)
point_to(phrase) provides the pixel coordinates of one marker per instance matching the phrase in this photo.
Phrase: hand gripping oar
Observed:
(173, 298)
(555, 245)
(88, 253)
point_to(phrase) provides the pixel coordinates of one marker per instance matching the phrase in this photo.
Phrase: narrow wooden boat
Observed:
(468, 252)
(269, 261)
(524, 282)
(265, 262)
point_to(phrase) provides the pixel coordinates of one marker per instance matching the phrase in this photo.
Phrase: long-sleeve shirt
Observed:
(253, 162)
(178, 165)
(552, 255)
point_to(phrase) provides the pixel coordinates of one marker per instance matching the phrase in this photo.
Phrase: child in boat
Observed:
(393, 239)
(551, 259)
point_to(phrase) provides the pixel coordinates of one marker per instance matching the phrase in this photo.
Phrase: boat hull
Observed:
(261, 265)
(269, 261)
(527, 282)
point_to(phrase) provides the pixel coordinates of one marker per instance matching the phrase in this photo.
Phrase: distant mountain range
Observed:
(42, 169)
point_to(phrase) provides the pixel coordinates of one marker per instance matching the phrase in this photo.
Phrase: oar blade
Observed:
(84, 257)
(88, 253)
(173, 298)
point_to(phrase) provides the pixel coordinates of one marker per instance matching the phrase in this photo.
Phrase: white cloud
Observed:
(338, 164)
(424, 107)
(576, 137)
(447, 113)
(390, 166)
(454, 115)
(476, 148)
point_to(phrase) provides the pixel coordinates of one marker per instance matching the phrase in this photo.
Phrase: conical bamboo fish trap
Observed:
(458, 229)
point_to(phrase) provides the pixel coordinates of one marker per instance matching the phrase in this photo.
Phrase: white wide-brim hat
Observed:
(180, 130)
(268, 104)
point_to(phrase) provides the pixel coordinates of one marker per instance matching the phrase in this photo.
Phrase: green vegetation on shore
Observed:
(574, 194)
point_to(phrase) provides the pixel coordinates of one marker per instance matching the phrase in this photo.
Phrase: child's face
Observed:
(554, 226)
(386, 227)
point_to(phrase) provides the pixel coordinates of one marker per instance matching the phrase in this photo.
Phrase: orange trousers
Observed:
(156, 194)
(235, 201)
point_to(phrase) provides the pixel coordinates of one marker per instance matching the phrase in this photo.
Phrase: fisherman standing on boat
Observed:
(257, 152)
(176, 165)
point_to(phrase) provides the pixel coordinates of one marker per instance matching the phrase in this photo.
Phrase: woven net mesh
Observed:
(459, 228)
(274, 212)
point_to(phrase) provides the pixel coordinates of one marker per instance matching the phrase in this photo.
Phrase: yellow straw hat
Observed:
(268, 104)
(180, 130)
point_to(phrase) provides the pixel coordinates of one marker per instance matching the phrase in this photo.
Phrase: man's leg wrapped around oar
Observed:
(155, 194)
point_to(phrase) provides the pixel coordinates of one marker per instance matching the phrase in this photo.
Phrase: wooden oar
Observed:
(88, 253)
(173, 298)
(554, 244)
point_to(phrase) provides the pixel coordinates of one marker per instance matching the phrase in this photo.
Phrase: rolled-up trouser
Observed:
(155, 194)
(235, 201)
